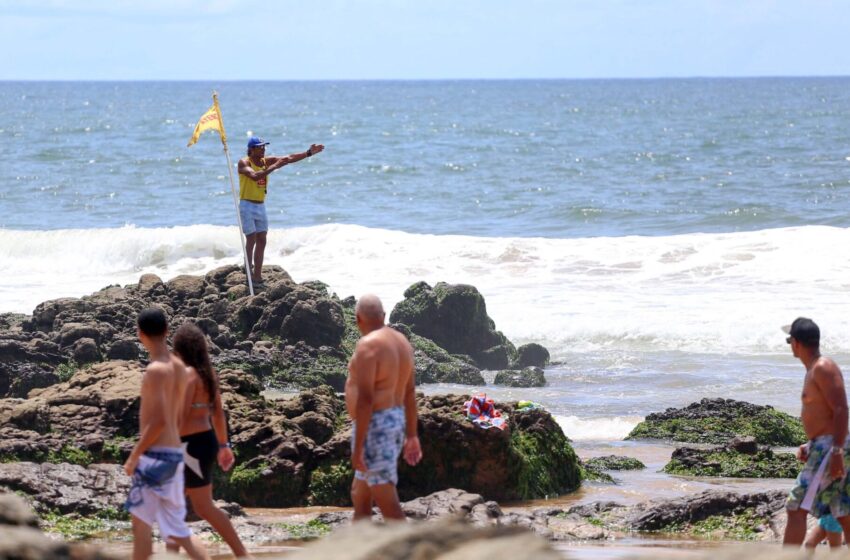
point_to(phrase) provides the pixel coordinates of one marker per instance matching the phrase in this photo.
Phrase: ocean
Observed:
(653, 234)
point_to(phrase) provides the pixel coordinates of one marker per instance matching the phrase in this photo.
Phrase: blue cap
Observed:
(255, 141)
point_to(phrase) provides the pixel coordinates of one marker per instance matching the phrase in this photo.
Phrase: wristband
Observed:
(224, 445)
(309, 152)
(836, 449)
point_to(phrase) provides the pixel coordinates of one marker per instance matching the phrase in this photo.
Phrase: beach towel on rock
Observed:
(482, 411)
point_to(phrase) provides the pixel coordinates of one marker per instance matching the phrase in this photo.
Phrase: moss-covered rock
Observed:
(455, 317)
(717, 421)
(531, 459)
(727, 462)
(330, 484)
(435, 365)
(527, 377)
(615, 463)
(303, 367)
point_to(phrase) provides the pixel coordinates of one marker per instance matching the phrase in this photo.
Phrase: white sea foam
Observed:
(711, 293)
(597, 429)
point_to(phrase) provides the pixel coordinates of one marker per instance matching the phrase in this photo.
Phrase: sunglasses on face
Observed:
(788, 340)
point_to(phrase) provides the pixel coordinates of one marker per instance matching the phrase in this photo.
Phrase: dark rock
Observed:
(661, 514)
(72, 332)
(747, 445)
(9, 321)
(85, 351)
(314, 322)
(434, 365)
(185, 287)
(257, 364)
(124, 349)
(527, 377)
(455, 317)
(149, 283)
(615, 463)
(64, 488)
(728, 462)
(314, 426)
(17, 379)
(531, 354)
(301, 365)
(447, 503)
(719, 420)
(534, 457)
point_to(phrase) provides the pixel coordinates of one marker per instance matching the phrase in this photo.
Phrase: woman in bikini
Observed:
(202, 411)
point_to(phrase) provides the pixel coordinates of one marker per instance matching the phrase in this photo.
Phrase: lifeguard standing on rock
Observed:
(253, 183)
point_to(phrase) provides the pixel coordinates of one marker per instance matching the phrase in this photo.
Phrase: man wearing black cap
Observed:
(253, 173)
(821, 488)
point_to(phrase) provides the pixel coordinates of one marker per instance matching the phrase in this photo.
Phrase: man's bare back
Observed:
(392, 356)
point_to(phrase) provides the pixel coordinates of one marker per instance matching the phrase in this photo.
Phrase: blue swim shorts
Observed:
(830, 524)
(814, 491)
(253, 216)
(383, 446)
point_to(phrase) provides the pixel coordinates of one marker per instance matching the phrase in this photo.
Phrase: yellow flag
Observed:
(211, 120)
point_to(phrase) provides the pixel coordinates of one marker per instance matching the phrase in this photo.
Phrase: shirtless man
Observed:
(379, 396)
(821, 488)
(156, 463)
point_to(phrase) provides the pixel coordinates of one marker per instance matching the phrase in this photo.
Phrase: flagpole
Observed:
(242, 240)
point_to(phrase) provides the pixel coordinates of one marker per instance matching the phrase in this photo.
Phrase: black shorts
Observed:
(203, 448)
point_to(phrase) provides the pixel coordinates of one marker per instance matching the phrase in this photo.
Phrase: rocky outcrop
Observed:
(530, 376)
(717, 421)
(290, 451)
(455, 317)
(290, 335)
(615, 463)
(530, 459)
(531, 355)
(711, 514)
(289, 324)
(64, 488)
(728, 461)
(89, 418)
(597, 469)
(435, 365)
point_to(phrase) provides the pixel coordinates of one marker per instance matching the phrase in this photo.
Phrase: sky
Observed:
(420, 39)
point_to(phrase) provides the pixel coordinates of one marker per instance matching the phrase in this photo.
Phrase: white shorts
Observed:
(157, 492)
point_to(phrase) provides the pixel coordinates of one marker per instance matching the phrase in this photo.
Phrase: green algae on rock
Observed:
(728, 462)
(716, 421)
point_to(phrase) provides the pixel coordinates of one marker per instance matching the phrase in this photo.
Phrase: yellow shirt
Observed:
(250, 189)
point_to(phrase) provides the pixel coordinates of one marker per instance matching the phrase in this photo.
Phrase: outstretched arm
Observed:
(280, 161)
